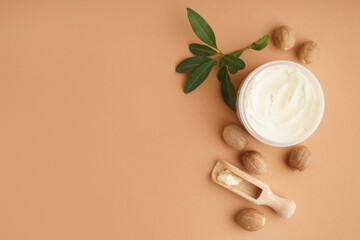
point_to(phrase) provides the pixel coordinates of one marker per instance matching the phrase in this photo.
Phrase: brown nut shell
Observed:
(308, 52)
(254, 162)
(284, 37)
(251, 219)
(299, 158)
(235, 136)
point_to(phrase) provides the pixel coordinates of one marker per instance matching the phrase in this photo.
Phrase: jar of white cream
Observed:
(280, 103)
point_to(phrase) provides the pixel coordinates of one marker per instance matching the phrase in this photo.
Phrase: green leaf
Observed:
(201, 28)
(190, 64)
(202, 50)
(199, 75)
(228, 94)
(261, 43)
(238, 52)
(221, 74)
(232, 71)
(227, 89)
(232, 62)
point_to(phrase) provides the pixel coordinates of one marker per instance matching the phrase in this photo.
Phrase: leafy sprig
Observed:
(201, 65)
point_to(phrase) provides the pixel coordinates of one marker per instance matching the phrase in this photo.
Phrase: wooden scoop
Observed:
(254, 190)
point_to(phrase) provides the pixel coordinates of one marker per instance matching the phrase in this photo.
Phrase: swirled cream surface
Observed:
(282, 103)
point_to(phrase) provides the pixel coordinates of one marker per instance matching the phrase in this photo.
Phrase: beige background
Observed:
(98, 140)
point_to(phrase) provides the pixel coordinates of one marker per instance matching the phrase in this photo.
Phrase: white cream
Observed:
(282, 103)
(226, 177)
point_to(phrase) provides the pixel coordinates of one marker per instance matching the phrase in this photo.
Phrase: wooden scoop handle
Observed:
(284, 207)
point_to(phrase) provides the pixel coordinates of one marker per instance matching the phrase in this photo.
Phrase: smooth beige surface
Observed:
(98, 140)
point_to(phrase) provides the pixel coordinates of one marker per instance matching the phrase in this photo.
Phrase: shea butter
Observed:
(281, 103)
(226, 177)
